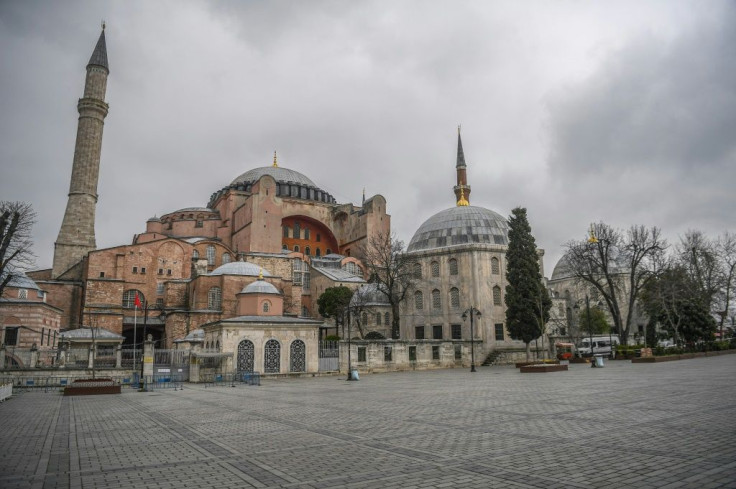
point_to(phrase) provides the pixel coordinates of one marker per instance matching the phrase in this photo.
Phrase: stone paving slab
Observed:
(668, 425)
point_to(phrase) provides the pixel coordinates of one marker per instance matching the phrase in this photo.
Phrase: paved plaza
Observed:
(661, 425)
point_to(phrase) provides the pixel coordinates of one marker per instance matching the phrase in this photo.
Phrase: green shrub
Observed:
(332, 337)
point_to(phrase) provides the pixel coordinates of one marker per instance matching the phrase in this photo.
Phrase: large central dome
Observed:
(278, 173)
(461, 225)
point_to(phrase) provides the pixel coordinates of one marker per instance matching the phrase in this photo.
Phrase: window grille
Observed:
(129, 298)
(495, 268)
(387, 319)
(436, 300)
(214, 298)
(225, 258)
(195, 255)
(297, 231)
(437, 332)
(266, 306)
(457, 332)
(378, 319)
(499, 332)
(418, 300)
(417, 270)
(419, 332)
(160, 288)
(22, 294)
(210, 255)
(454, 298)
(453, 266)
(496, 295)
(435, 266)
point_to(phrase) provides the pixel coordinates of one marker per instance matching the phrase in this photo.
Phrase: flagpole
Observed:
(135, 328)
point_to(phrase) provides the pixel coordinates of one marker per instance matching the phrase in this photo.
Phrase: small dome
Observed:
(154, 219)
(260, 287)
(20, 280)
(278, 173)
(461, 225)
(562, 270)
(240, 268)
(369, 295)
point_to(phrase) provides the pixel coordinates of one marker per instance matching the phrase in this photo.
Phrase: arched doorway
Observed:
(246, 356)
(297, 356)
(272, 357)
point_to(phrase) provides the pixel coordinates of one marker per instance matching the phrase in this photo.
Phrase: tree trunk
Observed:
(528, 351)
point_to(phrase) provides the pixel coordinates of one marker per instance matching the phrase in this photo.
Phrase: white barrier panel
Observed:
(6, 390)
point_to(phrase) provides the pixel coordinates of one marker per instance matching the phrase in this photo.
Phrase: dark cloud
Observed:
(368, 94)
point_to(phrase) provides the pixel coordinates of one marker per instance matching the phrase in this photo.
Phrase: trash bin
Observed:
(598, 361)
(354, 374)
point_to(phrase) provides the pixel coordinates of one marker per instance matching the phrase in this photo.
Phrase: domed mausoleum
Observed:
(460, 263)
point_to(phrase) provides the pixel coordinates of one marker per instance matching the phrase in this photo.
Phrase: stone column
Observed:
(62, 355)
(194, 363)
(3, 358)
(34, 356)
(119, 356)
(91, 357)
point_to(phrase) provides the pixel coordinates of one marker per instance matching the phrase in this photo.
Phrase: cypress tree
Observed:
(527, 301)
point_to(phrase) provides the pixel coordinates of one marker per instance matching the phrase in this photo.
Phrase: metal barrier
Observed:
(55, 383)
(6, 390)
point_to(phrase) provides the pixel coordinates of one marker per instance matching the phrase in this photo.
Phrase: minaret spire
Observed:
(77, 234)
(462, 189)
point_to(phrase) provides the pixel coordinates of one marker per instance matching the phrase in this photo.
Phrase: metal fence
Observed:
(329, 356)
(6, 390)
(128, 355)
(77, 357)
(54, 383)
(48, 358)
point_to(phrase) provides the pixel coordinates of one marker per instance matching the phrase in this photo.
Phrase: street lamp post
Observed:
(350, 370)
(161, 316)
(472, 311)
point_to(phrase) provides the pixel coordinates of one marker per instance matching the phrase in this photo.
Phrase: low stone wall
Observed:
(58, 378)
(681, 356)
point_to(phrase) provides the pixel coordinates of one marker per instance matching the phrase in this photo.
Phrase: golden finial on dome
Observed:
(275, 163)
(260, 274)
(462, 202)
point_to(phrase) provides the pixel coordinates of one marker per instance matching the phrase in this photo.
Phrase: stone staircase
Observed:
(490, 359)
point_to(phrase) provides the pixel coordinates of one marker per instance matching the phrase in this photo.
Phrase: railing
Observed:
(127, 356)
(48, 358)
(329, 356)
(77, 357)
(171, 357)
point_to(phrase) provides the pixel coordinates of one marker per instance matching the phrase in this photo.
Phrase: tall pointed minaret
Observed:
(462, 189)
(77, 234)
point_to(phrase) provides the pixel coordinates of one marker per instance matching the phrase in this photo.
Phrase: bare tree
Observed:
(726, 250)
(617, 266)
(390, 268)
(16, 221)
(699, 255)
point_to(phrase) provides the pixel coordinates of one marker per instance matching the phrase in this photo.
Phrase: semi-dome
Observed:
(461, 225)
(369, 295)
(240, 268)
(260, 287)
(278, 173)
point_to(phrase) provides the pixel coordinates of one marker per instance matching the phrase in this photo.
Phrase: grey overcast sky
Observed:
(621, 111)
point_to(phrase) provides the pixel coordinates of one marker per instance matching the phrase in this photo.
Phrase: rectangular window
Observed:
(11, 336)
(168, 272)
(143, 270)
(22, 294)
(412, 353)
(499, 332)
(102, 274)
(160, 302)
(135, 269)
(286, 232)
(319, 238)
(199, 223)
(387, 354)
(160, 288)
(641, 328)
(457, 332)
(435, 353)
(43, 330)
(437, 332)
(419, 332)
(160, 271)
(361, 354)
(458, 352)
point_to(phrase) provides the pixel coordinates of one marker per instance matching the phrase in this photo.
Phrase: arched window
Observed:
(286, 232)
(306, 233)
(417, 270)
(418, 300)
(296, 248)
(284, 247)
(272, 357)
(214, 298)
(453, 266)
(297, 356)
(454, 298)
(297, 231)
(496, 295)
(495, 269)
(307, 251)
(225, 258)
(266, 306)
(129, 298)
(210, 255)
(246, 356)
(378, 319)
(217, 345)
(318, 252)
(195, 255)
(386, 319)
(436, 300)
(364, 319)
(435, 266)
(305, 312)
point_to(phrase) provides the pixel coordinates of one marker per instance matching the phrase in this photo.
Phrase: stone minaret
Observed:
(462, 189)
(77, 234)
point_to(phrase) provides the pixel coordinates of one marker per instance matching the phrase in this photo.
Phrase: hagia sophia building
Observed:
(259, 254)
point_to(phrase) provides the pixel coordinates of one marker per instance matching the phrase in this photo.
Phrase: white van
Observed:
(601, 345)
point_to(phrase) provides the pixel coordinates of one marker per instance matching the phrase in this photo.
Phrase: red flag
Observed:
(138, 301)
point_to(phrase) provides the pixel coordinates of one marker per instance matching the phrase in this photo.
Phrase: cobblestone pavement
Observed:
(667, 425)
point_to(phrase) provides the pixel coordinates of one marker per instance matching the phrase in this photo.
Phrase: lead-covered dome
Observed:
(461, 225)
(278, 173)
(260, 287)
(240, 268)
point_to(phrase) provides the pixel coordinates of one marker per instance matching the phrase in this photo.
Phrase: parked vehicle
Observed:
(601, 345)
